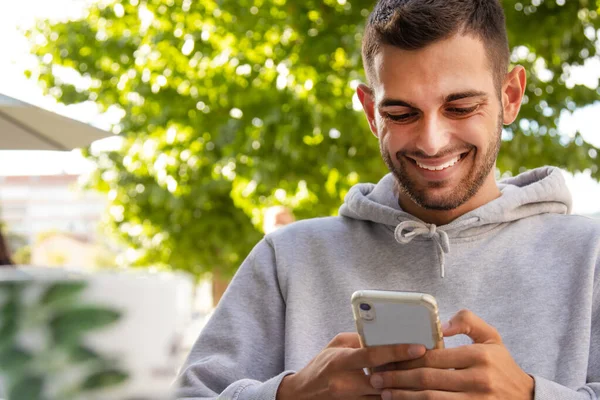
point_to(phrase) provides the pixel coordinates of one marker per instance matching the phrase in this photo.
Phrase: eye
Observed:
(460, 111)
(400, 117)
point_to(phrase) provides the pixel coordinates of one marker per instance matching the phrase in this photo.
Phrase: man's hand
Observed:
(483, 370)
(337, 371)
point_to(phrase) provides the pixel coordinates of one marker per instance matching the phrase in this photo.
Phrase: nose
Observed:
(433, 135)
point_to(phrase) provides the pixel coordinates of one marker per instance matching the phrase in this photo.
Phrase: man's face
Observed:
(438, 117)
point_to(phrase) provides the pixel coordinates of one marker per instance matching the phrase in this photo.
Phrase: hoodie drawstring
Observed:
(406, 231)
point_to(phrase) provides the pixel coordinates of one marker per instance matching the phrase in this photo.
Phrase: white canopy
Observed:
(27, 127)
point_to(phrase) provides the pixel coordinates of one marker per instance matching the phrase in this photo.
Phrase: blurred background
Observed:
(224, 119)
(230, 118)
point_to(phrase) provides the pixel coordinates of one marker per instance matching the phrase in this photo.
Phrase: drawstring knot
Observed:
(406, 231)
(432, 231)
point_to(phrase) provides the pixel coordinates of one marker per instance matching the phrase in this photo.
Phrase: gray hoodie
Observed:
(519, 262)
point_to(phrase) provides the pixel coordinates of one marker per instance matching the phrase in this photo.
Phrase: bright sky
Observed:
(15, 58)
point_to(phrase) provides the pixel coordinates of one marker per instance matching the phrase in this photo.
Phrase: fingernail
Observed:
(386, 396)
(446, 326)
(377, 381)
(416, 350)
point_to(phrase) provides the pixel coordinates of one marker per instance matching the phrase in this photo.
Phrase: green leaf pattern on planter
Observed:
(66, 292)
(27, 387)
(59, 320)
(67, 326)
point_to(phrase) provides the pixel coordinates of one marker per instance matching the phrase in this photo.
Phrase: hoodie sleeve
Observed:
(548, 390)
(240, 352)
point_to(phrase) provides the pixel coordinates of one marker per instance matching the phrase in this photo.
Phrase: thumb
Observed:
(467, 323)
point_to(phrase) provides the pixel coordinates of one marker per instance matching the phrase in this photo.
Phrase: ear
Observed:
(512, 93)
(366, 97)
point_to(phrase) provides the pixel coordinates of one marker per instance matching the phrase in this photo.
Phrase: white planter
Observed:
(145, 342)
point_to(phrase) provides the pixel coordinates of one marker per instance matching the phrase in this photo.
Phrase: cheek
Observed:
(393, 137)
(476, 131)
(395, 141)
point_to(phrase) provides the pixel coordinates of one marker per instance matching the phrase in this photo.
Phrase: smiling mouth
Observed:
(449, 164)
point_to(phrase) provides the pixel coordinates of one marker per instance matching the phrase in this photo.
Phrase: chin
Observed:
(444, 198)
(439, 204)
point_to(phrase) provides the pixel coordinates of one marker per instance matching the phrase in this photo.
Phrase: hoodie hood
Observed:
(538, 191)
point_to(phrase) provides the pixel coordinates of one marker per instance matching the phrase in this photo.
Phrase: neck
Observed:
(488, 192)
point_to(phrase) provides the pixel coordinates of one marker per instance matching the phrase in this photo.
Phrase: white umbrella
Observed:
(27, 127)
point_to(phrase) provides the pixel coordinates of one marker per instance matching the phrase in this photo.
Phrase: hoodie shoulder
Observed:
(570, 228)
(309, 229)
(310, 237)
(326, 233)
(574, 223)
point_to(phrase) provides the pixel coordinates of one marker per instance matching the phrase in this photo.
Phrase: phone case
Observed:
(397, 318)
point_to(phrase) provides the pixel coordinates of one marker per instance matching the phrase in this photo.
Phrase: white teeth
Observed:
(440, 167)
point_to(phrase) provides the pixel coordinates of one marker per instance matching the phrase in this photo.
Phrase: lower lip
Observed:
(439, 175)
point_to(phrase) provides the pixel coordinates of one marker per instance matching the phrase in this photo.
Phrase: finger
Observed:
(452, 358)
(376, 356)
(386, 367)
(346, 339)
(467, 323)
(422, 379)
(422, 395)
(351, 385)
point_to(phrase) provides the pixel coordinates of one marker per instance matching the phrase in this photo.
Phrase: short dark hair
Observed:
(415, 24)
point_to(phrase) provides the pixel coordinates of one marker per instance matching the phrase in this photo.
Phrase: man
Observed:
(439, 223)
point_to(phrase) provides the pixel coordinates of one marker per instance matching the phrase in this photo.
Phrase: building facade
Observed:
(30, 205)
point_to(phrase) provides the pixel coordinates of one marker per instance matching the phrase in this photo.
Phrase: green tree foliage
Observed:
(233, 106)
(22, 256)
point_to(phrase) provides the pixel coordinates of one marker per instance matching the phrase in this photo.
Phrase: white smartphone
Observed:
(390, 317)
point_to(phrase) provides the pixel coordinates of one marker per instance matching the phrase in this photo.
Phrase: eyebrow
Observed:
(448, 99)
(395, 102)
(464, 95)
